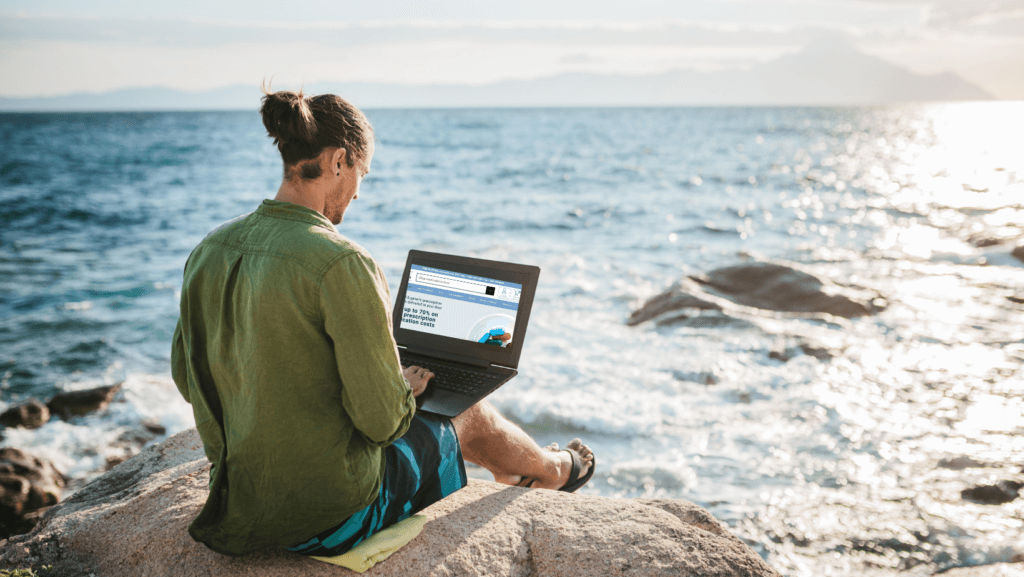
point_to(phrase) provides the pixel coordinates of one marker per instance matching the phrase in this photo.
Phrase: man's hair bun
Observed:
(287, 117)
(302, 127)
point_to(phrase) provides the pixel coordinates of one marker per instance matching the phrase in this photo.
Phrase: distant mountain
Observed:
(828, 72)
(833, 71)
(155, 98)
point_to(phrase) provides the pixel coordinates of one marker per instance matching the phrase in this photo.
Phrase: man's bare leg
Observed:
(491, 441)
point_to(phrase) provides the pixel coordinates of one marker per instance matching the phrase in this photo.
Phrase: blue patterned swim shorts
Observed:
(422, 467)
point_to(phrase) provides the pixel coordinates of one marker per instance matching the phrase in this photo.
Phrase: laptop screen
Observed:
(461, 306)
(470, 308)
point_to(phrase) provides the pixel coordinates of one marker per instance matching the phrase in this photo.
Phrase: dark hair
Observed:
(303, 126)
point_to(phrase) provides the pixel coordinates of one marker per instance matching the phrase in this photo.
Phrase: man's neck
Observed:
(307, 195)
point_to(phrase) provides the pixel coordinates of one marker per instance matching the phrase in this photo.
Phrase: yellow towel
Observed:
(379, 546)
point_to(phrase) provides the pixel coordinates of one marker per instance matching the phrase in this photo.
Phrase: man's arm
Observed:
(357, 317)
(179, 368)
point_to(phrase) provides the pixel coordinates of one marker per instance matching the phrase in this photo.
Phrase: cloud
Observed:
(90, 51)
(194, 33)
(953, 14)
(751, 11)
(979, 17)
(94, 67)
(580, 58)
(675, 23)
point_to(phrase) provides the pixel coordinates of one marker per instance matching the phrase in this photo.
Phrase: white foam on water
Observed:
(81, 447)
(827, 466)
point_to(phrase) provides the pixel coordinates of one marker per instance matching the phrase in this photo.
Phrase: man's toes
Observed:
(583, 450)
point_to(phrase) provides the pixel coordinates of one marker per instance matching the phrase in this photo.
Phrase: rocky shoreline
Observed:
(133, 519)
(751, 292)
(30, 484)
(762, 295)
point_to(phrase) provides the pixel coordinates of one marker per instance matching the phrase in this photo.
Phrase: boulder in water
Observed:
(31, 414)
(760, 285)
(1001, 492)
(1018, 253)
(675, 299)
(961, 462)
(818, 351)
(777, 287)
(75, 403)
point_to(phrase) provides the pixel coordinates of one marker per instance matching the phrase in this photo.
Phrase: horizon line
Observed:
(526, 107)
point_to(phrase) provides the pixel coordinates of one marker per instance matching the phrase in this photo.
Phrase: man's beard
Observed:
(334, 212)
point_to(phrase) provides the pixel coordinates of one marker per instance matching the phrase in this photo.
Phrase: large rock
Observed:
(961, 462)
(667, 306)
(28, 484)
(759, 285)
(1018, 252)
(31, 414)
(75, 403)
(1001, 492)
(132, 521)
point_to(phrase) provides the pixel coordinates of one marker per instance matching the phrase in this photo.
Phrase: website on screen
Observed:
(461, 306)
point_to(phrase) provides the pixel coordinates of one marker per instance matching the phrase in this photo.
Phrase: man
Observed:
(284, 349)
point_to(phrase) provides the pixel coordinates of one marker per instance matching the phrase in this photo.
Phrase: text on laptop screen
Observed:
(462, 306)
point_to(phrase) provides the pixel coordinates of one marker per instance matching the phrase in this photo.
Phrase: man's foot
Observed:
(528, 482)
(582, 467)
(563, 460)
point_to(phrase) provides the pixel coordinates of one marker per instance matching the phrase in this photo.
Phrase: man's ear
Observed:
(338, 160)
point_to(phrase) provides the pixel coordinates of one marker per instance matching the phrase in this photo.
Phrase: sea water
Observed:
(827, 466)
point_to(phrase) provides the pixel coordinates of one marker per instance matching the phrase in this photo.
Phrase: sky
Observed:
(56, 47)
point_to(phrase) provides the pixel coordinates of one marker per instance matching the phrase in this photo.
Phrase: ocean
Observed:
(844, 463)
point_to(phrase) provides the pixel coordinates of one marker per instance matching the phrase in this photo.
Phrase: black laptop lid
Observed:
(465, 306)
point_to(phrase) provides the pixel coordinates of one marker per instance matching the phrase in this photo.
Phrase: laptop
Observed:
(464, 319)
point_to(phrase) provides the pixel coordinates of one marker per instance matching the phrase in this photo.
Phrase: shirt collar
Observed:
(290, 211)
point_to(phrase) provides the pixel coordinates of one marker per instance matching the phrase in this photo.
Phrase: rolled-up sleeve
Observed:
(357, 317)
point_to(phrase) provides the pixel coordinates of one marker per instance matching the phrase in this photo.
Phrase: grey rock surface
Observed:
(31, 414)
(74, 403)
(1002, 492)
(132, 521)
(757, 285)
(1018, 253)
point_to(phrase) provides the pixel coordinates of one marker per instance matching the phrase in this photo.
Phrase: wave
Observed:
(147, 410)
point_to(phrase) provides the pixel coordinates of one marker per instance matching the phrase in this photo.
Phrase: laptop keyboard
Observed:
(463, 381)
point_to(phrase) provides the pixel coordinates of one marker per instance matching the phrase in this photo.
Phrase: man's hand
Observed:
(417, 377)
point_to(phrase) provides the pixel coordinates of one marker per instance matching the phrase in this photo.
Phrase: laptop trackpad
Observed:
(441, 402)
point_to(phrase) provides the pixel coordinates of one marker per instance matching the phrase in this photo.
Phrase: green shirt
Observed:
(284, 349)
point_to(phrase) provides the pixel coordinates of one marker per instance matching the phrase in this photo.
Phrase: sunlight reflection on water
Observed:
(832, 458)
(946, 194)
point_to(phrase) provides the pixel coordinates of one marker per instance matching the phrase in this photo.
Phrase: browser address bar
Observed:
(449, 283)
